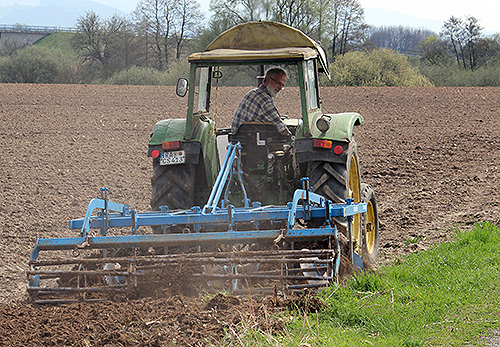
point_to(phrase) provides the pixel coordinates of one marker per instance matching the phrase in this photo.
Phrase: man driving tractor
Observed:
(258, 105)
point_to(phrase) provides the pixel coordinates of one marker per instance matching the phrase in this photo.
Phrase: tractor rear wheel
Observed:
(369, 226)
(337, 182)
(172, 185)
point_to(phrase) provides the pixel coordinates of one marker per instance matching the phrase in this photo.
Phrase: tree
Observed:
(300, 14)
(155, 18)
(338, 22)
(211, 31)
(472, 35)
(187, 23)
(168, 23)
(239, 11)
(465, 40)
(452, 31)
(228, 13)
(99, 40)
(398, 38)
(434, 50)
(494, 50)
(347, 29)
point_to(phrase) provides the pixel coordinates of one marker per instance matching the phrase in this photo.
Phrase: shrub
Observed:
(137, 76)
(382, 67)
(33, 64)
(148, 76)
(176, 70)
(452, 76)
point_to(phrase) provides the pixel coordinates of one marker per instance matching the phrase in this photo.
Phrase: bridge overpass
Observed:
(24, 35)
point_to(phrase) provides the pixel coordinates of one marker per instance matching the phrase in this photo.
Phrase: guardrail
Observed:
(33, 29)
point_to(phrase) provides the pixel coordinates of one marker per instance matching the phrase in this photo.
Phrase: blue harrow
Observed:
(248, 249)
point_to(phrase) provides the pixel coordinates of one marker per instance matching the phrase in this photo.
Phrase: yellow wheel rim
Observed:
(370, 228)
(355, 193)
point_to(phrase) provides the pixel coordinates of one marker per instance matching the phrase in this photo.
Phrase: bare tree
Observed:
(99, 40)
(187, 23)
(322, 23)
(128, 47)
(465, 40)
(300, 14)
(154, 18)
(169, 23)
(88, 39)
(453, 32)
(472, 34)
(239, 11)
(398, 38)
(347, 26)
(338, 22)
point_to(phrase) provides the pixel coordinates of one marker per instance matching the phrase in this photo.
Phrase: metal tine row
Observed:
(250, 256)
(287, 274)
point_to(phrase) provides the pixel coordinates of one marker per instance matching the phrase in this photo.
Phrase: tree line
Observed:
(159, 34)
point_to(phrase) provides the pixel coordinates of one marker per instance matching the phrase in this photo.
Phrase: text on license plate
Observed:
(171, 158)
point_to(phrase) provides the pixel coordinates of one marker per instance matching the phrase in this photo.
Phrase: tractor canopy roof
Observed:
(262, 41)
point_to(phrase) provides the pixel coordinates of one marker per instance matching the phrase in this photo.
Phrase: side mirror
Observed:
(182, 87)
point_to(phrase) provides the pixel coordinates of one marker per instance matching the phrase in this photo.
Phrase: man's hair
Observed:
(275, 71)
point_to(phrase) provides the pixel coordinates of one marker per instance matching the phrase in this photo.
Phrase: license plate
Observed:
(172, 158)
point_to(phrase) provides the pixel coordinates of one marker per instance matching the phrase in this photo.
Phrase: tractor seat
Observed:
(257, 141)
(261, 134)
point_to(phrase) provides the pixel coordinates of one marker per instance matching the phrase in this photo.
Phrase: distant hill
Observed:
(58, 13)
(386, 17)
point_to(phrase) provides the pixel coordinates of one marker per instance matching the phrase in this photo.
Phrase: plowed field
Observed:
(431, 154)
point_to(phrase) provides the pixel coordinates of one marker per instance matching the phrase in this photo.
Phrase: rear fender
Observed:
(340, 133)
(341, 126)
(167, 130)
(203, 141)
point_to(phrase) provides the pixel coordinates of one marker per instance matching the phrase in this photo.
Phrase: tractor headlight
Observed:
(323, 123)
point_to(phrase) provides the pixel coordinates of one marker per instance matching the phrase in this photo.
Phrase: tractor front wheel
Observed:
(369, 226)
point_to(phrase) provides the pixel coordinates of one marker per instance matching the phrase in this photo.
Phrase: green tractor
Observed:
(186, 152)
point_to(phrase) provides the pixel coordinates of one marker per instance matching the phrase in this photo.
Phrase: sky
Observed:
(484, 10)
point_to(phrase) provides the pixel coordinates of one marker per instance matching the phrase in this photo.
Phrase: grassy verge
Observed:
(447, 296)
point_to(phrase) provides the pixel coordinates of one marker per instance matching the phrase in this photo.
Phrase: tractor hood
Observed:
(262, 40)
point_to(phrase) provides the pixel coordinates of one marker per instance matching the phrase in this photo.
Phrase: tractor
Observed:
(185, 152)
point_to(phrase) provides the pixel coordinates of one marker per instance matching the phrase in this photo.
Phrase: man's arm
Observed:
(271, 114)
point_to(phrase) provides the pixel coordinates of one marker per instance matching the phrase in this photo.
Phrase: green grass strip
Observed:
(446, 296)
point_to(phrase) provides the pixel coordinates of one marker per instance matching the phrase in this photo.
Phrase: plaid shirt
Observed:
(257, 106)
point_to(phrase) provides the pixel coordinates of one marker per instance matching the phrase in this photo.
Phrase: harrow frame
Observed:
(204, 229)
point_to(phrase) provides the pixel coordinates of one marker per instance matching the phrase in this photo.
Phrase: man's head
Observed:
(275, 81)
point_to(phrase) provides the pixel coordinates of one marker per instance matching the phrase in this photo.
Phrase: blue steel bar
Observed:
(303, 194)
(313, 206)
(305, 205)
(213, 200)
(176, 239)
(279, 213)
